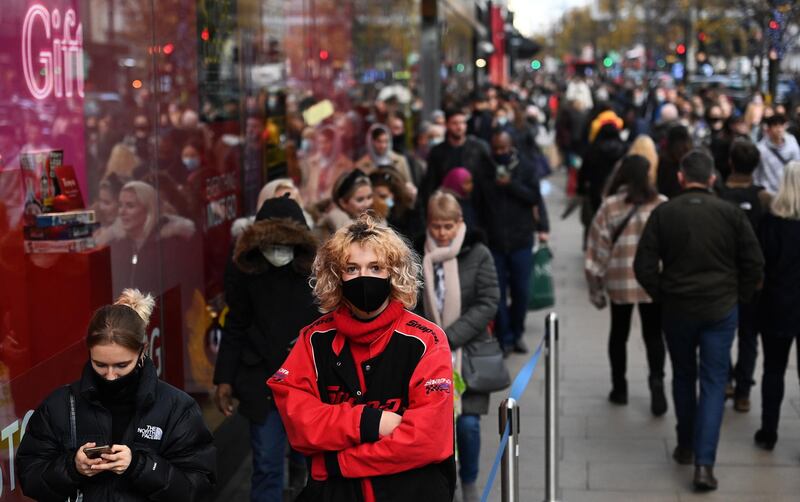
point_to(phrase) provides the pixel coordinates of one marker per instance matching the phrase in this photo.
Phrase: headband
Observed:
(349, 182)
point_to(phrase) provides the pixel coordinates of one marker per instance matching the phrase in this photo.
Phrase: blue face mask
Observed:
(389, 202)
(191, 163)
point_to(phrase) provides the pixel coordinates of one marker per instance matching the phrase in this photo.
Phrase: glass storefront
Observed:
(165, 118)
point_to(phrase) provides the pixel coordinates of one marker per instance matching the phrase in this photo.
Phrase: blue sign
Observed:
(678, 71)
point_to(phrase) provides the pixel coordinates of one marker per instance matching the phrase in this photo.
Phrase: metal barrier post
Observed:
(509, 473)
(551, 487)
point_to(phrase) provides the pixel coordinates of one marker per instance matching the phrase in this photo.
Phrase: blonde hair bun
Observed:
(141, 303)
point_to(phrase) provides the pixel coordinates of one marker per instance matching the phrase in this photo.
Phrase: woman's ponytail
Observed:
(141, 303)
(123, 323)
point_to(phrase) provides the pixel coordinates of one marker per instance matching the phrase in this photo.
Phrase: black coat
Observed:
(667, 177)
(408, 222)
(473, 155)
(507, 211)
(268, 307)
(598, 164)
(174, 457)
(698, 256)
(780, 299)
(481, 125)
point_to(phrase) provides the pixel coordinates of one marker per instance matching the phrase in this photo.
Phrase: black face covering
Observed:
(121, 387)
(367, 293)
(503, 159)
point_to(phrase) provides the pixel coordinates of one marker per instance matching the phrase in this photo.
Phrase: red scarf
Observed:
(365, 333)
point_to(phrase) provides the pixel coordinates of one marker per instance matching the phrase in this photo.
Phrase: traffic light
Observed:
(608, 62)
(324, 55)
(680, 49)
(536, 64)
(774, 25)
(702, 38)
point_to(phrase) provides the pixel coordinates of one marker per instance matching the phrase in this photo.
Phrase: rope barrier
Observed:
(519, 385)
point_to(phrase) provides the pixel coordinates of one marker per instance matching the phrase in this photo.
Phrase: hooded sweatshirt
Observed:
(372, 160)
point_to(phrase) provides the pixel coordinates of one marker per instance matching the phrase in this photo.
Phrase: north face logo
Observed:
(151, 432)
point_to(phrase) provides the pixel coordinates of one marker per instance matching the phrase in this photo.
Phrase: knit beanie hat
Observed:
(280, 208)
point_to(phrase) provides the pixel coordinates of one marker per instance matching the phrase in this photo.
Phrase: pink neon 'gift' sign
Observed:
(57, 68)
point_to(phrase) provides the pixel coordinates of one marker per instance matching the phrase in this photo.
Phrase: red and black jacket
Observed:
(331, 407)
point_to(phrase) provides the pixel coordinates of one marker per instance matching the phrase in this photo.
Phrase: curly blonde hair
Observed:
(394, 254)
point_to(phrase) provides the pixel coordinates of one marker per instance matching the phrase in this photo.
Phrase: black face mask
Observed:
(122, 386)
(367, 294)
(504, 159)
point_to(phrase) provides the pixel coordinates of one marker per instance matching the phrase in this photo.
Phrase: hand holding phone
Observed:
(95, 452)
(84, 464)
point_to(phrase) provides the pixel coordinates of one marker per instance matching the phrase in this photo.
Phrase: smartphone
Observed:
(96, 451)
(502, 172)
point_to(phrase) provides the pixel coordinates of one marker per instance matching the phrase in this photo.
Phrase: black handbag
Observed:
(484, 368)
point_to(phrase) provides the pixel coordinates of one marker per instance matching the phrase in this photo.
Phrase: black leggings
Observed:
(776, 358)
(650, 316)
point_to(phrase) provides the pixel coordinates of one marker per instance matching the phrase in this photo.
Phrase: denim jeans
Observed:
(513, 274)
(699, 421)
(268, 441)
(777, 346)
(468, 438)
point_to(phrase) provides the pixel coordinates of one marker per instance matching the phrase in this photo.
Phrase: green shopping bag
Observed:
(541, 293)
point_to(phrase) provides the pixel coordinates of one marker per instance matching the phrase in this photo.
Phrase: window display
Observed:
(133, 135)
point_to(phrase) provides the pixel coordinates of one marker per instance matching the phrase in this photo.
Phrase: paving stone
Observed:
(616, 496)
(621, 450)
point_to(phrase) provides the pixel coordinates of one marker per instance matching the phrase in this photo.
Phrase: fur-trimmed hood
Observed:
(284, 232)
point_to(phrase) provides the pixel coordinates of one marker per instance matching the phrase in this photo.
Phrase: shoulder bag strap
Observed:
(73, 432)
(618, 231)
(777, 154)
(73, 437)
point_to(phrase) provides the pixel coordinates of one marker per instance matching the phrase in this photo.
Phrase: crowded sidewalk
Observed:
(616, 453)
(622, 453)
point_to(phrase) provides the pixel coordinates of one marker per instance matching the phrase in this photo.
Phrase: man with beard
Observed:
(458, 150)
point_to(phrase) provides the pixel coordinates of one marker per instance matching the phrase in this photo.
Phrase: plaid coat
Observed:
(611, 266)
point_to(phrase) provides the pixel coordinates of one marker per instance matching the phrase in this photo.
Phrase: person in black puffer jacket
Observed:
(160, 449)
(266, 288)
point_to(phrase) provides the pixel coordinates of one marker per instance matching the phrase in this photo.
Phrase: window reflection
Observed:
(186, 112)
